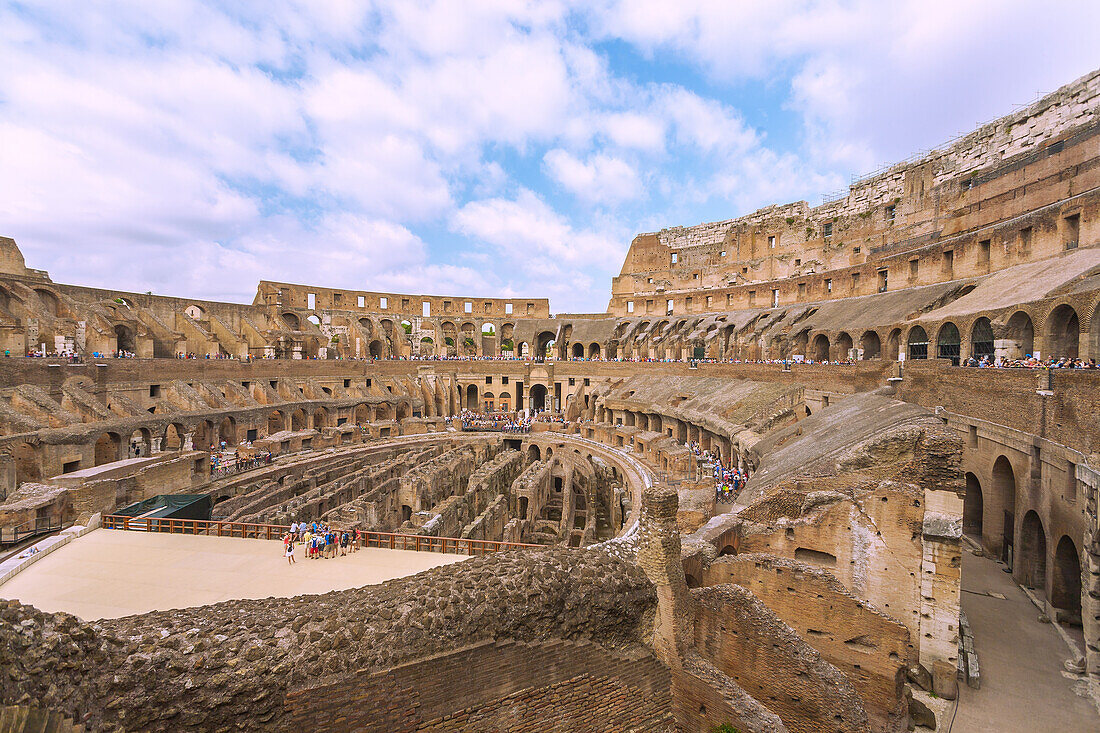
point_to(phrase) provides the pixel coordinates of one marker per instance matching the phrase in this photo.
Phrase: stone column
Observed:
(156, 445)
(659, 557)
(188, 441)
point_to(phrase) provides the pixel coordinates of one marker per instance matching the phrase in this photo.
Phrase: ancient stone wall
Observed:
(744, 639)
(868, 646)
(235, 662)
(497, 686)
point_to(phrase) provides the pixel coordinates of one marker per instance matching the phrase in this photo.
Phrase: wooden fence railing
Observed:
(248, 530)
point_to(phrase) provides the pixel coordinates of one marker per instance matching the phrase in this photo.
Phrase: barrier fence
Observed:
(248, 530)
(18, 533)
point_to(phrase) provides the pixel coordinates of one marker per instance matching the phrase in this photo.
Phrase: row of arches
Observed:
(990, 515)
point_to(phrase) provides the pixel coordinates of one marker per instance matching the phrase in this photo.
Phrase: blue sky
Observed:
(470, 148)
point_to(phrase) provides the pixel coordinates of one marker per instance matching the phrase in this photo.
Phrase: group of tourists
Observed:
(225, 460)
(728, 481)
(320, 541)
(495, 422)
(1032, 362)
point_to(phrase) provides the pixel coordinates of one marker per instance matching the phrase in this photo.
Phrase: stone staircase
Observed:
(26, 719)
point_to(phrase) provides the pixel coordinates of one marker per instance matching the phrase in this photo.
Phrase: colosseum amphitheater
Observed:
(912, 537)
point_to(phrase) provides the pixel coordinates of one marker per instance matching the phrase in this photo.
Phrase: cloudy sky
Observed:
(498, 147)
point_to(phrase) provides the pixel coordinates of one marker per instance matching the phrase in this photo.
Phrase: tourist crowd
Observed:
(320, 541)
(728, 481)
(497, 422)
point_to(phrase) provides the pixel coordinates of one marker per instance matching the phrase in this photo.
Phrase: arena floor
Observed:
(112, 573)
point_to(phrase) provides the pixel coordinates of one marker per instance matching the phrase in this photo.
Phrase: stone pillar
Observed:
(188, 441)
(659, 557)
(1090, 575)
(156, 444)
(941, 568)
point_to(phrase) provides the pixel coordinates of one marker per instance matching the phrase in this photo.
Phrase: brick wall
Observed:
(509, 686)
(746, 641)
(866, 645)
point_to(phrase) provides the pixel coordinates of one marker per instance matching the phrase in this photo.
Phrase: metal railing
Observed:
(249, 530)
(20, 532)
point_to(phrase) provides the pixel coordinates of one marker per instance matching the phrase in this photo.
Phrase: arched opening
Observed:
(981, 339)
(538, 397)
(49, 302)
(1004, 499)
(203, 437)
(871, 345)
(533, 453)
(489, 400)
(843, 346)
(1032, 562)
(276, 423)
(292, 321)
(298, 420)
(28, 464)
(1063, 333)
(523, 502)
(320, 418)
(124, 339)
(173, 437)
(1065, 590)
(578, 351)
(893, 345)
(917, 343)
(406, 512)
(972, 506)
(471, 397)
(141, 443)
(820, 348)
(384, 412)
(375, 349)
(367, 326)
(362, 414)
(593, 351)
(227, 431)
(427, 346)
(195, 312)
(544, 344)
(948, 343)
(1019, 341)
(106, 448)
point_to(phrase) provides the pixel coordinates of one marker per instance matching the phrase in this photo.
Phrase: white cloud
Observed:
(599, 180)
(195, 149)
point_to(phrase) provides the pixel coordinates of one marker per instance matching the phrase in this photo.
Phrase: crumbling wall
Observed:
(868, 646)
(742, 638)
(234, 663)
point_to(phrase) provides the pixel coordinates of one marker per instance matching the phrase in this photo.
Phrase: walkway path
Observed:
(1024, 686)
(111, 573)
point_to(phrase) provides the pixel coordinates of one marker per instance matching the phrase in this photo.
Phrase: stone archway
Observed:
(1031, 563)
(821, 348)
(538, 397)
(917, 343)
(1001, 509)
(843, 346)
(973, 506)
(981, 339)
(871, 345)
(471, 397)
(1063, 333)
(1019, 340)
(1065, 588)
(124, 339)
(949, 343)
(106, 448)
